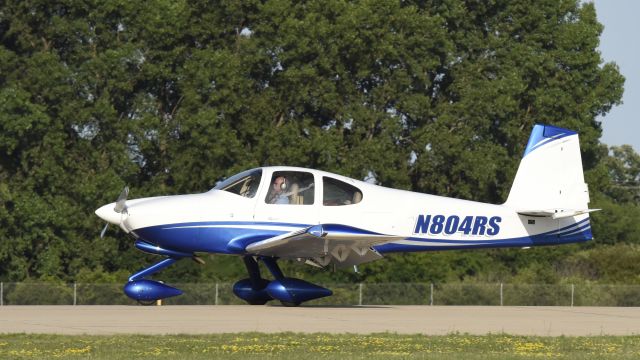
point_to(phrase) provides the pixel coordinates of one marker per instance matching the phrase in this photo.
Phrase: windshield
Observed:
(244, 184)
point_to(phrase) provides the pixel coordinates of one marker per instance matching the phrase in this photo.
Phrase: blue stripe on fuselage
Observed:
(225, 237)
(231, 237)
(422, 244)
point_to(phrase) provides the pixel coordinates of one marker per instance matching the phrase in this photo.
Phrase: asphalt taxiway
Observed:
(432, 320)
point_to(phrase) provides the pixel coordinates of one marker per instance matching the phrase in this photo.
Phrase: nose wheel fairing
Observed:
(147, 291)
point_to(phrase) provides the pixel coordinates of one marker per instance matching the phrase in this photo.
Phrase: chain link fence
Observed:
(343, 294)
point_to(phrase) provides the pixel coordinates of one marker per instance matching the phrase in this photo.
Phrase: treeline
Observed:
(172, 96)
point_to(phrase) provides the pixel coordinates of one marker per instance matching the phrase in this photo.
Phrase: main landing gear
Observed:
(289, 291)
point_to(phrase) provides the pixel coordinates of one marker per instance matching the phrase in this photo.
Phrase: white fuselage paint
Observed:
(382, 210)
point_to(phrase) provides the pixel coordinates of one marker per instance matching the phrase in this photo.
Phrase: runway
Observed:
(430, 320)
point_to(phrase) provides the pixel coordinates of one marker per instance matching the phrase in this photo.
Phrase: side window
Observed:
(337, 193)
(291, 188)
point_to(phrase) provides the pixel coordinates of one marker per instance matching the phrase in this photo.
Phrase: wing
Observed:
(322, 245)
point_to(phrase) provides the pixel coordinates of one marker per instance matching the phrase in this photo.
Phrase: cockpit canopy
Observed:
(292, 187)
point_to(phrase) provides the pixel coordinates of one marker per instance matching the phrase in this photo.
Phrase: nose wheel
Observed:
(290, 304)
(147, 302)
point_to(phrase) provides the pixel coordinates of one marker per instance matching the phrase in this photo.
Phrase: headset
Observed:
(283, 185)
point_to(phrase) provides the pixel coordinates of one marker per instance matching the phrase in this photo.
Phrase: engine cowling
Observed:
(149, 290)
(295, 291)
(246, 290)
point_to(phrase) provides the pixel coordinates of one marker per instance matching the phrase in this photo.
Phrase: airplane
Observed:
(323, 219)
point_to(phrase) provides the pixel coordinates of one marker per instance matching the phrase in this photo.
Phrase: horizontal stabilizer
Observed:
(556, 213)
(324, 244)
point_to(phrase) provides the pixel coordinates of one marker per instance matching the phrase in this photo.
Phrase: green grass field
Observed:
(313, 346)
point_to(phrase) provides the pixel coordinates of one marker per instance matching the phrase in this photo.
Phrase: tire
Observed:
(257, 302)
(147, 302)
(290, 304)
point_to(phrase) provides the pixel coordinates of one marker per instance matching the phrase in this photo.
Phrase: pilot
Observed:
(278, 194)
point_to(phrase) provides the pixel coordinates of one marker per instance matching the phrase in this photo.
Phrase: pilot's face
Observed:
(277, 184)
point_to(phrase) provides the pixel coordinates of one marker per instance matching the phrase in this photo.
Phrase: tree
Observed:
(624, 171)
(169, 97)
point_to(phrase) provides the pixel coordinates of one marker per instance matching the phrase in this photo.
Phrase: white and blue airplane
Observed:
(324, 219)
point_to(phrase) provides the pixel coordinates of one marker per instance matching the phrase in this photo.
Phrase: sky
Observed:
(620, 43)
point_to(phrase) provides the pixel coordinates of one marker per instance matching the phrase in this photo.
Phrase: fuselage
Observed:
(227, 220)
(323, 219)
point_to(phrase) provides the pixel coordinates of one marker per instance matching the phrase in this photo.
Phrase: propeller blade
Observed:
(104, 230)
(122, 199)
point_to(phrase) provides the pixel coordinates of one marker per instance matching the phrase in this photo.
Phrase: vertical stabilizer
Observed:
(550, 181)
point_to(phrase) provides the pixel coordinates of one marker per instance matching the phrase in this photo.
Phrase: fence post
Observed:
(501, 297)
(360, 295)
(431, 295)
(572, 289)
(216, 301)
(75, 294)
(1, 294)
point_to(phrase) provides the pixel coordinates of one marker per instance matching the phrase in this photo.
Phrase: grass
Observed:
(314, 346)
